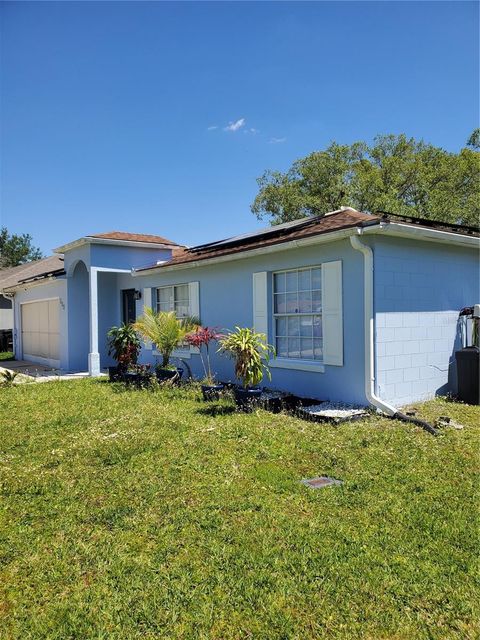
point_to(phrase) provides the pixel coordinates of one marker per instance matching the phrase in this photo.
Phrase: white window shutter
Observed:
(332, 314)
(260, 303)
(147, 302)
(194, 303)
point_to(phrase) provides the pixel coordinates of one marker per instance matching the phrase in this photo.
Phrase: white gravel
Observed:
(334, 410)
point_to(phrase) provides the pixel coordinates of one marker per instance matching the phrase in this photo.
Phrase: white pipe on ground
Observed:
(372, 398)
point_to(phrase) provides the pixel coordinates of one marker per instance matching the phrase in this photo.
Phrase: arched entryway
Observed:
(78, 317)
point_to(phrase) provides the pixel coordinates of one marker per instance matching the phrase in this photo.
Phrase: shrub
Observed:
(165, 330)
(251, 353)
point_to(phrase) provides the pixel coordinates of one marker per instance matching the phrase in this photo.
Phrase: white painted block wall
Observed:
(420, 288)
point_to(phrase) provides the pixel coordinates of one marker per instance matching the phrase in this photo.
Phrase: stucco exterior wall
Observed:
(420, 288)
(78, 318)
(109, 312)
(226, 300)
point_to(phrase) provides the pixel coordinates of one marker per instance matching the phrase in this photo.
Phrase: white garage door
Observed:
(41, 332)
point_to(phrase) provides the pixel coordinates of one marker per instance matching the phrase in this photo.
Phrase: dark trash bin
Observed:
(468, 366)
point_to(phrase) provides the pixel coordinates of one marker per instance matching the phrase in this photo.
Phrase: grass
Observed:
(6, 355)
(133, 514)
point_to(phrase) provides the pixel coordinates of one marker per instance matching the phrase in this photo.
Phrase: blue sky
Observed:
(114, 114)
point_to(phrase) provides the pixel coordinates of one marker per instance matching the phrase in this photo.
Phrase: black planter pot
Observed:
(131, 378)
(165, 375)
(211, 391)
(247, 399)
(137, 379)
(113, 374)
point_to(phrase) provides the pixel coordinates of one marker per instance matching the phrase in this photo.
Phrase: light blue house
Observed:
(360, 308)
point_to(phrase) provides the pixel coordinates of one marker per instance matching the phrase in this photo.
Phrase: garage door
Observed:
(40, 332)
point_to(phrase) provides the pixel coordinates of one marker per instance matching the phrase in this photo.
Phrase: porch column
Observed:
(93, 356)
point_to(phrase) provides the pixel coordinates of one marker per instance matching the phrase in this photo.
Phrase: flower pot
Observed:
(113, 374)
(211, 391)
(169, 375)
(138, 379)
(247, 399)
(131, 377)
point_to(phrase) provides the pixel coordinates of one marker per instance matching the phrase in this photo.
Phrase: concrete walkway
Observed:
(32, 371)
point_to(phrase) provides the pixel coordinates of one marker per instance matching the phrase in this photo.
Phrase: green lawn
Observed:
(6, 355)
(139, 514)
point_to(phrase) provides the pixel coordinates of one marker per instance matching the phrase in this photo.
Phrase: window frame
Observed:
(172, 298)
(183, 350)
(307, 364)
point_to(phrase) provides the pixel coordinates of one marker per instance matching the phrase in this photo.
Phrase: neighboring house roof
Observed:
(133, 237)
(51, 266)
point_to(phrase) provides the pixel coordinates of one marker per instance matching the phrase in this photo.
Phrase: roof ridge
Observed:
(129, 236)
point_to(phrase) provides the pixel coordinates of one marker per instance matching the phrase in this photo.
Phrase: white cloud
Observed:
(212, 128)
(235, 126)
(276, 140)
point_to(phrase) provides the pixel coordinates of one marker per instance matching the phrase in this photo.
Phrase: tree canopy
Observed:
(395, 174)
(16, 249)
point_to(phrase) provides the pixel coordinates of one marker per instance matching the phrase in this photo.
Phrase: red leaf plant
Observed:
(202, 337)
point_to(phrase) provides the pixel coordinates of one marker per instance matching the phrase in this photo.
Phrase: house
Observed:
(10, 277)
(361, 308)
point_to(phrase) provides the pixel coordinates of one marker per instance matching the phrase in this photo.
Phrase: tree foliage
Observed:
(395, 174)
(16, 249)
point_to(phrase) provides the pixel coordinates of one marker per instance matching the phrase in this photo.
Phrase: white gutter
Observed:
(370, 327)
(403, 230)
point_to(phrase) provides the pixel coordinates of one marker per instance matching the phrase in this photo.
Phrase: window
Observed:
(297, 306)
(175, 298)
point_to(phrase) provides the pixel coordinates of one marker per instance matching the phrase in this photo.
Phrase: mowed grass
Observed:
(6, 355)
(139, 514)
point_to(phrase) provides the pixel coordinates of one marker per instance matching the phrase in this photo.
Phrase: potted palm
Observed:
(167, 332)
(124, 346)
(201, 338)
(251, 353)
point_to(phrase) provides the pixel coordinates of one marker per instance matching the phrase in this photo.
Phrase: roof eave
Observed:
(404, 230)
(32, 282)
(375, 227)
(242, 255)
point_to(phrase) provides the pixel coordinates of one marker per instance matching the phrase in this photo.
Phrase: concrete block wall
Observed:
(420, 288)
(415, 354)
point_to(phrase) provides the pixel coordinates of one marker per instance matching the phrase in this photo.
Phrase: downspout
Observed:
(372, 398)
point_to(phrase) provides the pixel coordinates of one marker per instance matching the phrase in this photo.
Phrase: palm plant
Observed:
(165, 330)
(251, 353)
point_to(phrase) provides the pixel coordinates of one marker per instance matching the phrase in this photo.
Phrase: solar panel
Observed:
(261, 232)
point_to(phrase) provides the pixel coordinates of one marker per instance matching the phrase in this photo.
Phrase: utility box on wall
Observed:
(468, 361)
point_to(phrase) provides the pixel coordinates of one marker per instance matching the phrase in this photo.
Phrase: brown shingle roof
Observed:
(133, 237)
(31, 270)
(316, 225)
